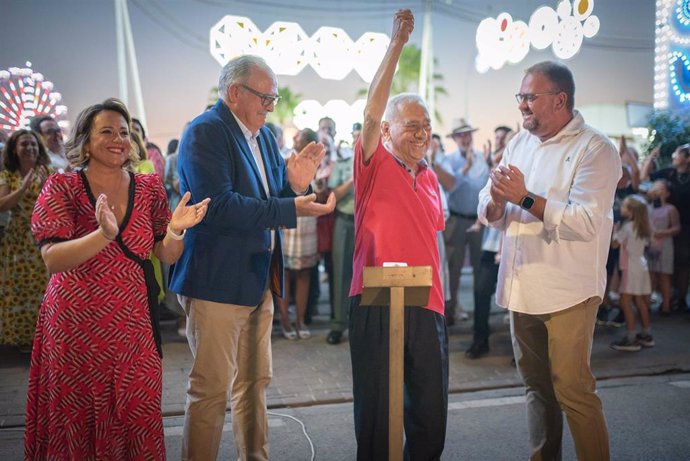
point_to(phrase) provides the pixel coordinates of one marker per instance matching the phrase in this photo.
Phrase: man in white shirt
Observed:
(51, 133)
(552, 195)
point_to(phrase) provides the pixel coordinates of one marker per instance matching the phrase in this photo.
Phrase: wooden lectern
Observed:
(396, 287)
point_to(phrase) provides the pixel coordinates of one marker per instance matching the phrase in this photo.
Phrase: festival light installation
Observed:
(672, 55)
(25, 94)
(309, 112)
(288, 49)
(503, 40)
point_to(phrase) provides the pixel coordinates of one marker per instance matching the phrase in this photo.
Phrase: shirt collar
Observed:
(422, 164)
(573, 127)
(245, 131)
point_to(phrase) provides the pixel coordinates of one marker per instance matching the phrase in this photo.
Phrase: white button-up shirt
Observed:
(555, 264)
(256, 152)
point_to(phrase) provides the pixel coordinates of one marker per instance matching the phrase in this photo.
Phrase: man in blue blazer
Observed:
(232, 262)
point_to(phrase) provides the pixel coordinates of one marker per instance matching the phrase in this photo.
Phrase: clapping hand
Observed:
(107, 223)
(40, 172)
(306, 205)
(487, 152)
(469, 160)
(507, 184)
(301, 167)
(185, 216)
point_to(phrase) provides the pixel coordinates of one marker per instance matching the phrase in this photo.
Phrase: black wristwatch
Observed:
(527, 201)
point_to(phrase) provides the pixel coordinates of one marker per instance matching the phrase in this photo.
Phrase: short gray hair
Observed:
(560, 76)
(402, 99)
(238, 69)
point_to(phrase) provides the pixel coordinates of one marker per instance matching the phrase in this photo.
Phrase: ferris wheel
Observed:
(25, 94)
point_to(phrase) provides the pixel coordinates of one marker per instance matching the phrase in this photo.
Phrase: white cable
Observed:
(304, 431)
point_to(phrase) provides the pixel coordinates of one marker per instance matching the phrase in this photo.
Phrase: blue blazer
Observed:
(227, 257)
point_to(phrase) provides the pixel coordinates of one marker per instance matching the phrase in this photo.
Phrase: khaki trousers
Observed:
(552, 353)
(231, 346)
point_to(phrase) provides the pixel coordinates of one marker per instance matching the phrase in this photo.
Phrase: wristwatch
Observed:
(527, 201)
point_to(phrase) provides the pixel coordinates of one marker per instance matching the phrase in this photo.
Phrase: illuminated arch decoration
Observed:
(679, 76)
(288, 49)
(502, 40)
(671, 55)
(25, 94)
(309, 112)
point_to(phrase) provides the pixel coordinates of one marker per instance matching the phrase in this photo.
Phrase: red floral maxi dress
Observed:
(95, 379)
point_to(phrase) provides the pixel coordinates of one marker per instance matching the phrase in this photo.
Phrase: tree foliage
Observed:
(285, 109)
(670, 129)
(406, 79)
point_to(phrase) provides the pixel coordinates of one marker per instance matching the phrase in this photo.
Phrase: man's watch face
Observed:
(527, 202)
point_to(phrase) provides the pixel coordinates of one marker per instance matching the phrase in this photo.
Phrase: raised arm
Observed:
(648, 164)
(380, 87)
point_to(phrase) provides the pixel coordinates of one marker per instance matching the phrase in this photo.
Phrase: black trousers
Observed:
(425, 388)
(484, 287)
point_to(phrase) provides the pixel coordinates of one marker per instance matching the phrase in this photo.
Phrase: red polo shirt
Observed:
(397, 217)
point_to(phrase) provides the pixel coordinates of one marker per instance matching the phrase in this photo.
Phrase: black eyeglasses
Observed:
(530, 97)
(266, 99)
(50, 131)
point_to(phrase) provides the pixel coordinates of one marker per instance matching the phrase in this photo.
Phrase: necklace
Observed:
(117, 189)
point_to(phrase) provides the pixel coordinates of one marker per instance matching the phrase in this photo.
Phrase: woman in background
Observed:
(23, 275)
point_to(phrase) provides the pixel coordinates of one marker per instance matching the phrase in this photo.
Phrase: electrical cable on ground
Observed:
(304, 431)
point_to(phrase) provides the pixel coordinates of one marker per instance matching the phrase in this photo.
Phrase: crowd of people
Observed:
(104, 234)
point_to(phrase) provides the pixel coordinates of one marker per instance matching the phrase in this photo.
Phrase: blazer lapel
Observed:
(263, 148)
(237, 133)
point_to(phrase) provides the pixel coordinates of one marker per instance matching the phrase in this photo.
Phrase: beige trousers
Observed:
(231, 346)
(552, 353)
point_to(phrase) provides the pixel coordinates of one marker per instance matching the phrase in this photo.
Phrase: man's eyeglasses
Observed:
(266, 99)
(530, 97)
(50, 131)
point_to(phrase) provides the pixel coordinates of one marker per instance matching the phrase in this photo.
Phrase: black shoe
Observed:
(476, 350)
(334, 337)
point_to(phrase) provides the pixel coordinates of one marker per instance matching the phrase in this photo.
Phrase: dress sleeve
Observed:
(160, 213)
(54, 215)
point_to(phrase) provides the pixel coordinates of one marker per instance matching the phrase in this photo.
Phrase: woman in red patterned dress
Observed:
(95, 380)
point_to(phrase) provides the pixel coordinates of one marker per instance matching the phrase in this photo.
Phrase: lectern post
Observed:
(396, 287)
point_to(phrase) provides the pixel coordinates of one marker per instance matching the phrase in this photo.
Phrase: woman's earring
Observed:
(87, 155)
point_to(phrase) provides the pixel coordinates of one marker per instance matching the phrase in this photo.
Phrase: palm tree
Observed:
(285, 109)
(407, 77)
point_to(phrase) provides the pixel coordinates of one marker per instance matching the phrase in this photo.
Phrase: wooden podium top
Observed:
(379, 280)
(416, 276)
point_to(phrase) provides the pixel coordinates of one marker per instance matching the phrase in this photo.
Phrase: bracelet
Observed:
(175, 236)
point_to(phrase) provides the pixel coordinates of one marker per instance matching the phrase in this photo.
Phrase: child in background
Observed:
(632, 237)
(665, 224)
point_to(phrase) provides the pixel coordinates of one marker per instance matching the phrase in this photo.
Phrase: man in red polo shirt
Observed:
(397, 216)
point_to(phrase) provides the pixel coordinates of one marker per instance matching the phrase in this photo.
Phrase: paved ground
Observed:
(314, 373)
